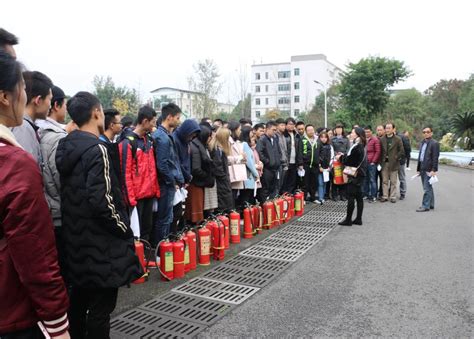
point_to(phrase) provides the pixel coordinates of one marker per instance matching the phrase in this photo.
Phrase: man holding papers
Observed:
(427, 168)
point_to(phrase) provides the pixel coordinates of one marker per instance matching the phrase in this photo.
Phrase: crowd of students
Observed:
(76, 193)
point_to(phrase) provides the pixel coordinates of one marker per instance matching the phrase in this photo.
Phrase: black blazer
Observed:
(430, 160)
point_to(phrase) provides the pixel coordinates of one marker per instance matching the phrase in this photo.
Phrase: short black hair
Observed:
(259, 125)
(431, 128)
(170, 109)
(308, 125)
(110, 114)
(299, 123)
(145, 112)
(10, 69)
(244, 121)
(205, 119)
(290, 119)
(218, 120)
(389, 123)
(80, 107)
(280, 121)
(36, 83)
(7, 38)
(367, 127)
(270, 123)
(126, 122)
(320, 129)
(58, 96)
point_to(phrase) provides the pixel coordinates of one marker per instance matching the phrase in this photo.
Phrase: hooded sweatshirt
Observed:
(182, 142)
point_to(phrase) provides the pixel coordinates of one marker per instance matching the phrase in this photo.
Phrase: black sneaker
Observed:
(402, 197)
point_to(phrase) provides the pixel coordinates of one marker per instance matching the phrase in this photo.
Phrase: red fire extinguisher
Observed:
(210, 226)
(256, 219)
(186, 253)
(268, 214)
(260, 219)
(191, 244)
(291, 212)
(280, 216)
(140, 252)
(218, 241)
(248, 222)
(299, 203)
(338, 175)
(225, 221)
(234, 227)
(178, 255)
(166, 260)
(204, 247)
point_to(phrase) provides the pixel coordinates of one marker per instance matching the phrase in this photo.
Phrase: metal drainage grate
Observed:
(323, 214)
(290, 244)
(216, 290)
(310, 224)
(291, 235)
(187, 307)
(260, 264)
(240, 275)
(323, 218)
(273, 253)
(313, 229)
(138, 323)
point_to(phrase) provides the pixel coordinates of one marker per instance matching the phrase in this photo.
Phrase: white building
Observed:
(289, 86)
(185, 99)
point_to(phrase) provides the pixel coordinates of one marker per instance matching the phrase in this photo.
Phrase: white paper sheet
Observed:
(135, 223)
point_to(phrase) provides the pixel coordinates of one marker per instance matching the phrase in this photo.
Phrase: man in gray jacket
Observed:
(50, 132)
(38, 93)
(281, 128)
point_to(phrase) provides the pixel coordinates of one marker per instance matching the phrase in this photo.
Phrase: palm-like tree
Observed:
(463, 126)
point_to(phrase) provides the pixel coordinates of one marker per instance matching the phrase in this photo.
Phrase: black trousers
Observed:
(269, 181)
(339, 190)
(145, 216)
(311, 181)
(289, 185)
(29, 333)
(354, 193)
(89, 312)
(245, 196)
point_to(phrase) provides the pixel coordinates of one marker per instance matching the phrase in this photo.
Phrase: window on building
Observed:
(257, 89)
(297, 98)
(283, 100)
(297, 112)
(266, 75)
(266, 101)
(283, 87)
(285, 112)
(297, 71)
(266, 88)
(297, 85)
(257, 114)
(257, 101)
(257, 76)
(284, 74)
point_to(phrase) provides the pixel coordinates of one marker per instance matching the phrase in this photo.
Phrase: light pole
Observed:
(325, 104)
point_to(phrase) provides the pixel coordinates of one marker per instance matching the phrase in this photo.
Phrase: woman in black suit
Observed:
(355, 157)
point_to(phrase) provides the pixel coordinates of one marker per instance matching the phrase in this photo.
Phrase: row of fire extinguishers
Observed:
(182, 252)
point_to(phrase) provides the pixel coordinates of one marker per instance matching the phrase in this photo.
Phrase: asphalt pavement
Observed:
(401, 274)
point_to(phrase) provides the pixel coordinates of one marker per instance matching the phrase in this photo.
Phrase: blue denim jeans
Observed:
(321, 187)
(428, 194)
(371, 181)
(164, 216)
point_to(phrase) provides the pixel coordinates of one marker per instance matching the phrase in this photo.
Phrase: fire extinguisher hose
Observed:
(251, 221)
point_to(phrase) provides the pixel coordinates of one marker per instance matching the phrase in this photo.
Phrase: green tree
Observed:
(120, 98)
(162, 100)
(243, 107)
(364, 87)
(205, 81)
(316, 115)
(463, 126)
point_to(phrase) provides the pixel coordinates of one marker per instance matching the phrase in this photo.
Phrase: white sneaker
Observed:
(318, 202)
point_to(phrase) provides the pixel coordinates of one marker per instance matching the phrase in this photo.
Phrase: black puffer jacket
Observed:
(221, 173)
(201, 165)
(98, 239)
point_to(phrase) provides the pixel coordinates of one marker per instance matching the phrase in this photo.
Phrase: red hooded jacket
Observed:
(374, 150)
(138, 166)
(31, 288)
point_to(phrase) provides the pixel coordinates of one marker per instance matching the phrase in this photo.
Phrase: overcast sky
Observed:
(151, 44)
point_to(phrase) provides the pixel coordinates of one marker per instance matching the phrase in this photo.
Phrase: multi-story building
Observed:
(185, 99)
(289, 87)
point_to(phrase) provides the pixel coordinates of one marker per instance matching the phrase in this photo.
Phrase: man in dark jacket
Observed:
(169, 170)
(100, 254)
(293, 141)
(269, 152)
(427, 167)
(392, 152)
